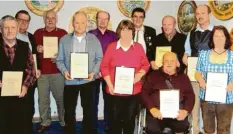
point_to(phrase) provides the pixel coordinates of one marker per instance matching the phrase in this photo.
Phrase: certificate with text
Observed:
(160, 51)
(124, 80)
(216, 87)
(192, 63)
(169, 103)
(50, 46)
(79, 65)
(11, 83)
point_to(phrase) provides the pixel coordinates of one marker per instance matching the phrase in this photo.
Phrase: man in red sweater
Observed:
(51, 79)
(151, 97)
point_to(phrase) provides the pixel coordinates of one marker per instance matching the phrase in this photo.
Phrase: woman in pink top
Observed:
(122, 108)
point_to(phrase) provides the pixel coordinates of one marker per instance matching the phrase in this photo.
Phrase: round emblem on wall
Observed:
(91, 17)
(222, 10)
(186, 16)
(38, 7)
(126, 6)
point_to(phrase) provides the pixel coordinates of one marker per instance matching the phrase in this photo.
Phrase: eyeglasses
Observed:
(22, 20)
(138, 17)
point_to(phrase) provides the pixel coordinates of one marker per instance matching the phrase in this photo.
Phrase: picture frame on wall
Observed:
(221, 9)
(186, 16)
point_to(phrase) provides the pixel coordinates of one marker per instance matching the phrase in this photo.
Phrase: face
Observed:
(138, 19)
(80, 24)
(9, 29)
(50, 20)
(168, 25)
(219, 38)
(126, 33)
(169, 62)
(202, 15)
(23, 22)
(102, 20)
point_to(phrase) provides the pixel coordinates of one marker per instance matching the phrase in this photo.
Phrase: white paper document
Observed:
(169, 103)
(11, 83)
(216, 87)
(50, 46)
(79, 65)
(35, 61)
(124, 80)
(192, 63)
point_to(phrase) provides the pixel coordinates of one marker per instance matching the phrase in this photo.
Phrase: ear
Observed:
(177, 63)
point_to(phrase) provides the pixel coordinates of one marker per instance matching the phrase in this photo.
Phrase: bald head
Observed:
(170, 63)
(79, 23)
(169, 24)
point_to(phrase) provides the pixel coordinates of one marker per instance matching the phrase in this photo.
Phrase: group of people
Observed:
(133, 45)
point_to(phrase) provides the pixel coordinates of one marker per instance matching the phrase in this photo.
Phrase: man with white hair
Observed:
(51, 79)
(15, 55)
(79, 42)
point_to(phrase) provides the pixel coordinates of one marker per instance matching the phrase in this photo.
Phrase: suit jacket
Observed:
(149, 36)
(34, 50)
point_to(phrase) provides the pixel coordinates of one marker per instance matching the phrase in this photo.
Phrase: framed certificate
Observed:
(50, 46)
(124, 80)
(79, 65)
(169, 103)
(192, 63)
(216, 87)
(11, 83)
(35, 61)
(160, 51)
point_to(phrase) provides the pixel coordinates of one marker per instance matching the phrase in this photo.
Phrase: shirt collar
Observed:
(170, 37)
(26, 33)
(141, 29)
(5, 44)
(210, 27)
(44, 29)
(119, 44)
(83, 36)
(99, 32)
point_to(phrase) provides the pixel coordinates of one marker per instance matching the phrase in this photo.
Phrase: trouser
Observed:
(13, 112)
(71, 93)
(122, 111)
(55, 84)
(196, 119)
(156, 126)
(221, 112)
(96, 99)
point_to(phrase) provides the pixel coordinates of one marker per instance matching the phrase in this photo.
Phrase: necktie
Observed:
(137, 36)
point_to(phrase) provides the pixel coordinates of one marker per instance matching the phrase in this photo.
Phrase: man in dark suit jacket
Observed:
(23, 19)
(143, 34)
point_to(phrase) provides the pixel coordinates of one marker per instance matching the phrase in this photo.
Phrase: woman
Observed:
(122, 108)
(218, 59)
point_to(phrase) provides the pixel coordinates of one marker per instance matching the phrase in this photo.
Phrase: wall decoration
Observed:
(222, 10)
(186, 16)
(38, 7)
(231, 34)
(126, 6)
(91, 16)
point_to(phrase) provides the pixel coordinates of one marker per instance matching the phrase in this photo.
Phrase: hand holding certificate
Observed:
(124, 80)
(192, 63)
(11, 83)
(216, 87)
(169, 103)
(50, 46)
(79, 65)
(160, 51)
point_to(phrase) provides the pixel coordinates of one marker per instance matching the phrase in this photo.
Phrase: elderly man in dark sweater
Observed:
(170, 37)
(151, 97)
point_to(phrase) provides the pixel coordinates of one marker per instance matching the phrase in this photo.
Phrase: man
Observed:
(196, 41)
(167, 77)
(170, 37)
(51, 79)
(79, 42)
(23, 19)
(105, 37)
(143, 34)
(15, 55)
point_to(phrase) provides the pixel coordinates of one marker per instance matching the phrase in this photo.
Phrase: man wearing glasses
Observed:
(23, 19)
(143, 34)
